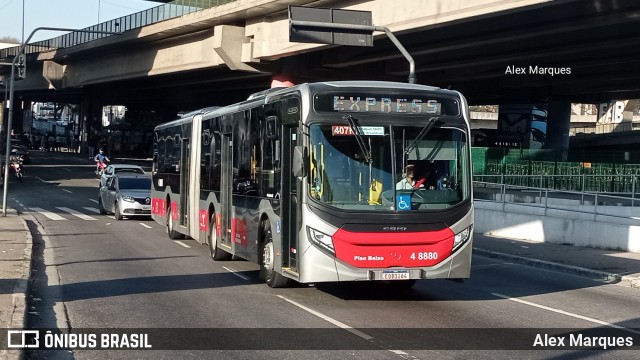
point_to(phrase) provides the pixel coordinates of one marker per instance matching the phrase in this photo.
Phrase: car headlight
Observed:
(461, 237)
(322, 240)
(128, 198)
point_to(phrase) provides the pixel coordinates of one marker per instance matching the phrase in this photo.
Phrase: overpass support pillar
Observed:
(558, 125)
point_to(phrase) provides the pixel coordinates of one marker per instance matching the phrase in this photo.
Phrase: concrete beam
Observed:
(231, 44)
(54, 74)
(168, 57)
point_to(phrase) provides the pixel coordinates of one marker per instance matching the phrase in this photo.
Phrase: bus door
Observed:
(290, 199)
(184, 182)
(226, 189)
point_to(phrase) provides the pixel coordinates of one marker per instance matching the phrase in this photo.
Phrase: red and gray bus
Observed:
(304, 182)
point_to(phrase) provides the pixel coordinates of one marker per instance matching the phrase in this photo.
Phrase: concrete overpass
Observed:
(215, 56)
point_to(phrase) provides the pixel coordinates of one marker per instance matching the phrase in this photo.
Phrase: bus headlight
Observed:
(322, 240)
(461, 237)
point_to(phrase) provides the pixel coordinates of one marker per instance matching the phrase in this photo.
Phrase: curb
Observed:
(629, 281)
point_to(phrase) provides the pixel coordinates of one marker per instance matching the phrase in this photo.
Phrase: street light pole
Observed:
(11, 100)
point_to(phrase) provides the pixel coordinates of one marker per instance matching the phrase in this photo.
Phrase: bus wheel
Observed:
(267, 258)
(217, 254)
(170, 231)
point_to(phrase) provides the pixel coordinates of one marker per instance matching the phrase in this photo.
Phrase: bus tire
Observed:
(217, 254)
(173, 235)
(267, 256)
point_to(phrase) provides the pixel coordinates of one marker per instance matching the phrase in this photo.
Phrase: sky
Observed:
(74, 14)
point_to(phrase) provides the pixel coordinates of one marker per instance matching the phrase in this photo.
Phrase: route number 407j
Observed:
(426, 255)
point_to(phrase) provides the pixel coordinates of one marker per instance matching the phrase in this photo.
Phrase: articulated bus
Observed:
(307, 182)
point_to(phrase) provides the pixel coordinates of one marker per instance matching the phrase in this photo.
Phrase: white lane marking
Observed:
(67, 191)
(566, 313)
(398, 352)
(49, 214)
(95, 201)
(181, 243)
(145, 225)
(67, 170)
(111, 217)
(329, 319)
(76, 213)
(234, 272)
(40, 179)
(92, 209)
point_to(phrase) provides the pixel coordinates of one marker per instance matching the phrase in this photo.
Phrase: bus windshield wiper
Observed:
(425, 130)
(359, 140)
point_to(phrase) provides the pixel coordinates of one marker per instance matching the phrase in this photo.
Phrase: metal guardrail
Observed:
(150, 16)
(602, 205)
(602, 183)
(604, 128)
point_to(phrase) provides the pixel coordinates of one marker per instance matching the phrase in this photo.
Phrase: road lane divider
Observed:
(44, 181)
(95, 201)
(67, 191)
(235, 272)
(145, 225)
(329, 319)
(181, 243)
(92, 209)
(581, 317)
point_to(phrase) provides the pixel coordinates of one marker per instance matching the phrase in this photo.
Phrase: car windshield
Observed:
(131, 170)
(344, 175)
(135, 184)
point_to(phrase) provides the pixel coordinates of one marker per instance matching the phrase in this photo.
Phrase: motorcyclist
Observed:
(14, 159)
(100, 158)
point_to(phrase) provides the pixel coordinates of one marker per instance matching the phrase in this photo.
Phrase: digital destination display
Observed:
(374, 103)
(386, 105)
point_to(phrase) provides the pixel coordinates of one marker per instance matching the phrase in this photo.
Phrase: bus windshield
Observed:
(428, 168)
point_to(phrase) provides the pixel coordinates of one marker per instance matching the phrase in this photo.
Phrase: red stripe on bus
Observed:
(158, 207)
(398, 249)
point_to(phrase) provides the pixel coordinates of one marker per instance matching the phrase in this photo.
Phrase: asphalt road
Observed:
(94, 272)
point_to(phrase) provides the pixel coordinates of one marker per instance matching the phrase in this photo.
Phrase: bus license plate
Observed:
(395, 275)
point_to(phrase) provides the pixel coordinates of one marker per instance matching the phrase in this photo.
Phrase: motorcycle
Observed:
(18, 169)
(102, 166)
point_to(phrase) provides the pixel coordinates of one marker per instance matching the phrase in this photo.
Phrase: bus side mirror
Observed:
(300, 162)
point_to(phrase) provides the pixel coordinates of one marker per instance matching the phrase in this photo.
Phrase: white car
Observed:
(126, 195)
(119, 169)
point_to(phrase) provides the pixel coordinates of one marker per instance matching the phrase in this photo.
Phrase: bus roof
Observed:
(268, 94)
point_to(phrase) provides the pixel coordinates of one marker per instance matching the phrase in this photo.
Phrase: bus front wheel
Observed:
(217, 254)
(170, 230)
(267, 260)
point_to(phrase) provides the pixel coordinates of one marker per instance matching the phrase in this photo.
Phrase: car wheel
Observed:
(101, 207)
(217, 254)
(267, 260)
(170, 231)
(116, 211)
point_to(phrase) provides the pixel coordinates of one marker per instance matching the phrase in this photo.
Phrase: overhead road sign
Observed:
(327, 26)
(339, 27)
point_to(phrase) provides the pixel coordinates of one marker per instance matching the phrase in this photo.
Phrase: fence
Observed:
(542, 168)
(143, 18)
(588, 205)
